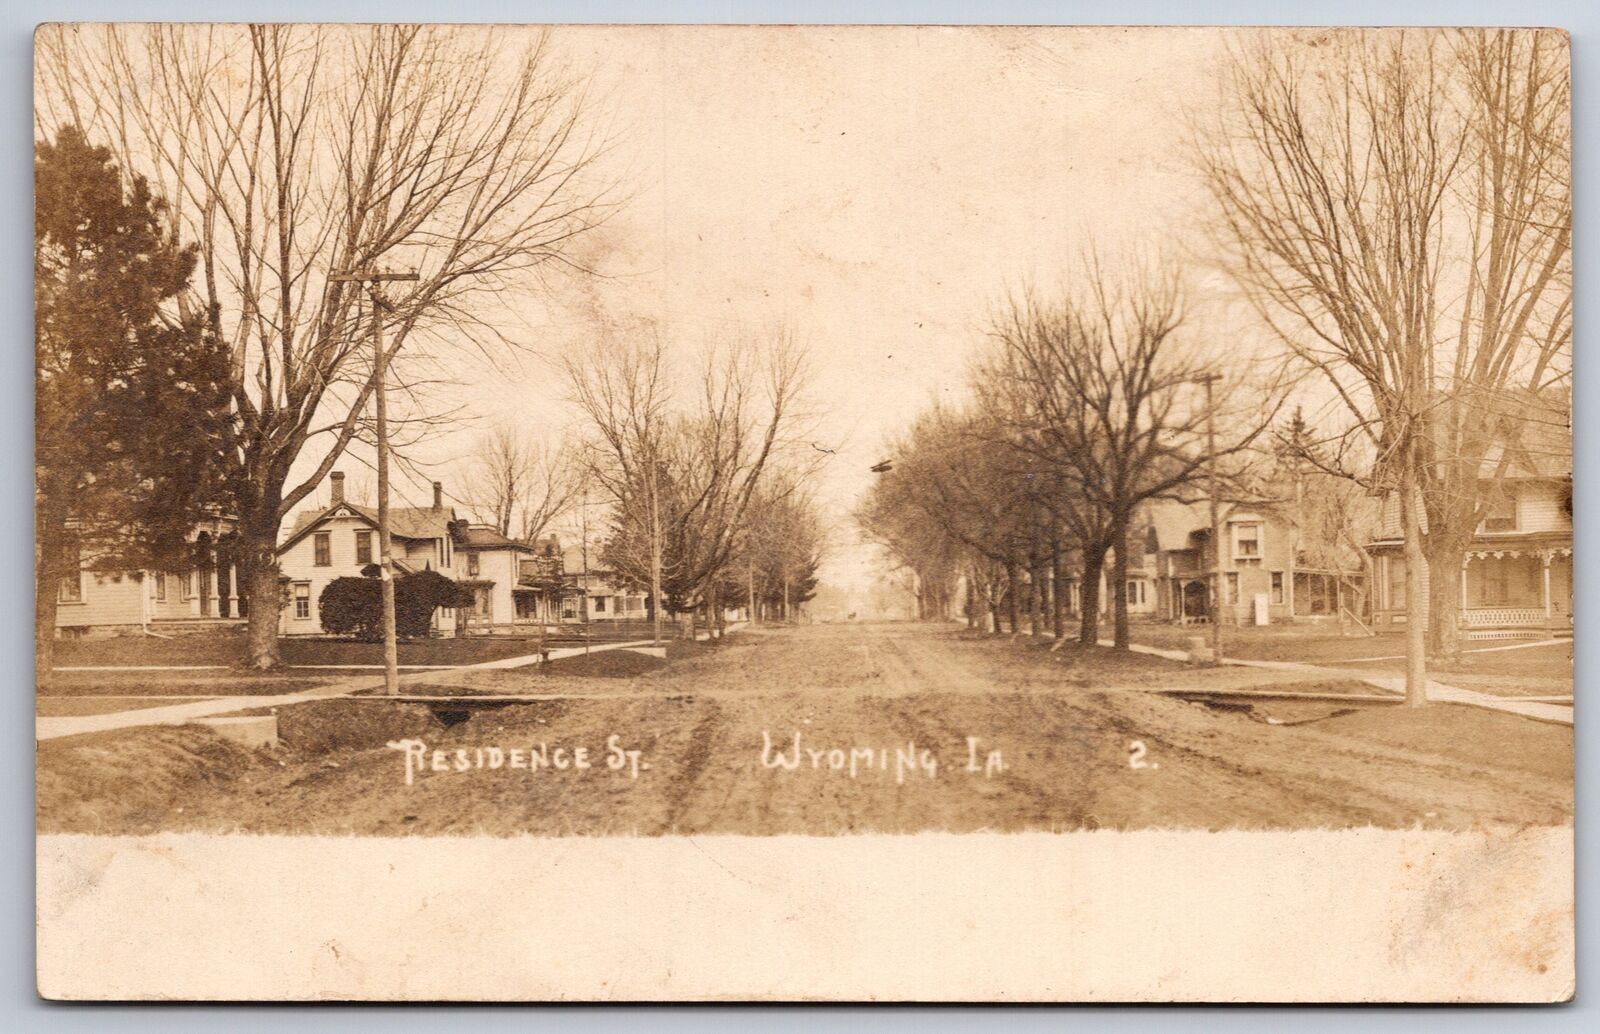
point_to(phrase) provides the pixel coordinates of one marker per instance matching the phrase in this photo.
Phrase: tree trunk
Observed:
(258, 557)
(1445, 574)
(972, 604)
(1012, 590)
(1058, 593)
(46, 587)
(1416, 628)
(1035, 601)
(995, 627)
(261, 629)
(1119, 585)
(1094, 559)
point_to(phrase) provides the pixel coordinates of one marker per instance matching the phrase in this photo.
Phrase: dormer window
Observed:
(1501, 516)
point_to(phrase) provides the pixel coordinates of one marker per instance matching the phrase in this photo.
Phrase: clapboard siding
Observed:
(109, 598)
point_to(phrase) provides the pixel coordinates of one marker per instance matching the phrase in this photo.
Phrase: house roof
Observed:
(1542, 447)
(480, 537)
(405, 522)
(1176, 522)
(572, 560)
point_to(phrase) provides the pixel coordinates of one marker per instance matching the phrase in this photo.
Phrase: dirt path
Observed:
(836, 729)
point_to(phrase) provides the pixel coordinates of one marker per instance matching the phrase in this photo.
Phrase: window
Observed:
(322, 550)
(302, 600)
(1505, 582)
(1277, 587)
(363, 548)
(1247, 543)
(160, 586)
(1395, 582)
(472, 565)
(1233, 586)
(1502, 512)
(599, 604)
(72, 588)
(1135, 592)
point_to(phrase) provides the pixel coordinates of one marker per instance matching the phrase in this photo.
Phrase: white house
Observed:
(606, 598)
(341, 540)
(515, 584)
(202, 597)
(1516, 577)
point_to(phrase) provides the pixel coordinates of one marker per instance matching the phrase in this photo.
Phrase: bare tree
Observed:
(1346, 178)
(620, 386)
(1099, 386)
(291, 153)
(521, 484)
(954, 489)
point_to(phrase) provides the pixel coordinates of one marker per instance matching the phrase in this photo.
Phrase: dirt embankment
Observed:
(829, 731)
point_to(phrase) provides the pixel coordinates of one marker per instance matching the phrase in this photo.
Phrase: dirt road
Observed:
(826, 730)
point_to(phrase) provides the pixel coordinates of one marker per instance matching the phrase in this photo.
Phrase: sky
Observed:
(876, 191)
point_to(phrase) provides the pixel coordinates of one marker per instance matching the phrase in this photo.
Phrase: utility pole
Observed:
(1216, 516)
(371, 278)
(583, 600)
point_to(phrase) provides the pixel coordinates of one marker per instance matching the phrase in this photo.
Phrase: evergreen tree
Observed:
(131, 418)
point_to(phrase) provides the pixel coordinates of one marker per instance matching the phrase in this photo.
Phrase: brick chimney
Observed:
(438, 496)
(336, 483)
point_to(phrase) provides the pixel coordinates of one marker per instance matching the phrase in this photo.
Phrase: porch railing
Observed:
(1487, 617)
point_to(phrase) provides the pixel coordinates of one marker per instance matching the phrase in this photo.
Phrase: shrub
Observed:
(417, 596)
(354, 606)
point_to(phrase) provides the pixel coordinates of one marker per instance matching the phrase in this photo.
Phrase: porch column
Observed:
(1544, 563)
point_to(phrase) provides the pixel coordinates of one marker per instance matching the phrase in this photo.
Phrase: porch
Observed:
(1506, 592)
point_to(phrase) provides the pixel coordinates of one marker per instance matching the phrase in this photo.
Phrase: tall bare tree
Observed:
(681, 470)
(521, 484)
(1099, 386)
(1348, 177)
(291, 153)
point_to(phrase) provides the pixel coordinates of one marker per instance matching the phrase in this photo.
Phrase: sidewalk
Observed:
(1437, 691)
(49, 728)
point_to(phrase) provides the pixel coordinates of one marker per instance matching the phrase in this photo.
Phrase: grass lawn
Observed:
(183, 683)
(67, 707)
(1324, 645)
(422, 651)
(227, 649)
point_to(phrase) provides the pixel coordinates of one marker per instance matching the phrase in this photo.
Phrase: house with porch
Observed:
(1265, 568)
(1172, 567)
(515, 584)
(341, 540)
(1516, 578)
(604, 595)
(202, 596)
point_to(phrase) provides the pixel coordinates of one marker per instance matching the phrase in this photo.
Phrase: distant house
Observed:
(1172, 563)
(203, 596)
(341, 540)
(1517, 573)
(515, 584)
(1260, 560)
(605, 597)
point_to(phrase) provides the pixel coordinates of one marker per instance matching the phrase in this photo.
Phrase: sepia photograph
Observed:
(689, 460)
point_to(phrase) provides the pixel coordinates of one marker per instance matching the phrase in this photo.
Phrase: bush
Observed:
(417, 596)
(354, 606)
